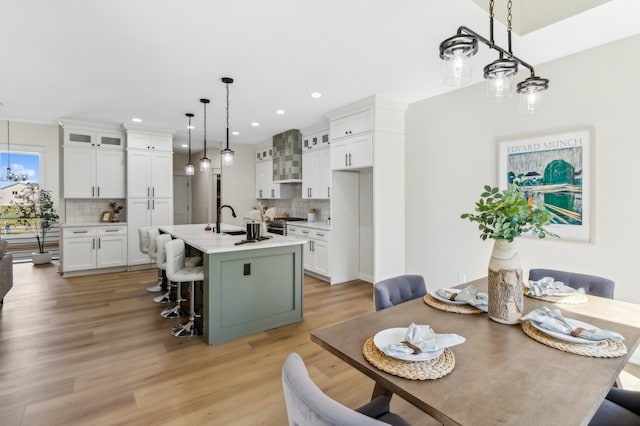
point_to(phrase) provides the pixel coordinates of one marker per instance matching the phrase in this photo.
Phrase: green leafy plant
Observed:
(508, 214)
(35, 212)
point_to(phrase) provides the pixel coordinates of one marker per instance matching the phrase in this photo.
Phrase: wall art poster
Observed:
(553, 170)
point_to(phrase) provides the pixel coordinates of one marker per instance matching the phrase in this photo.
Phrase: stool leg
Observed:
(188, 329)
(164, 298)
(156, 288)
(176, 311)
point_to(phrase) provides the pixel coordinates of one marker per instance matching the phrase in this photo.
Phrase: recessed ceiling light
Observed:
(255, 124)
(280, 111)
(316, 95)
(235, 133)
(184, 145)
(136, 120)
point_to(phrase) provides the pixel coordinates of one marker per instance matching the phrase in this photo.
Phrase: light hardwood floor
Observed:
(95, 351)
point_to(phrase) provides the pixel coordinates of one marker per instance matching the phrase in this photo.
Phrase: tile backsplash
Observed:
(89, 211)
(298, 207)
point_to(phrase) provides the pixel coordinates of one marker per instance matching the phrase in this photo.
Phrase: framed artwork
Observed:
(553, 170)
(106, 216)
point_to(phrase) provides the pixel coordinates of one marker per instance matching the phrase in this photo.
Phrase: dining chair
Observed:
(620, 408)
(307, 405)
(594, 285)
(392, 291)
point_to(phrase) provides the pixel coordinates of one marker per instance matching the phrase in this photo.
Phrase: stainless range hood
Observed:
(287, 157)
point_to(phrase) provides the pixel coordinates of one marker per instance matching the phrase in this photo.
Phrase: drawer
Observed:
(104, 231)
(79, 232)
(321, 235)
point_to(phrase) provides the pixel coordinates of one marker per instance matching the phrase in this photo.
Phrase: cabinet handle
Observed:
(313, 246)
(305, 232)
(93, 191)
(153, 204)
(98, 191)
(80, 232)
(153, 191)
(148, 191)
(94, 244)
(261, 193)
(99, 243)
(345, 159)
(111, 230)
(319, 234)
(349, 159)
(328, 192)
(273, 193)
(148, 205)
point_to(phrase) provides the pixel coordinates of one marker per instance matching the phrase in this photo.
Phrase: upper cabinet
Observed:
(352, 124)
(315, 140)
(93, 162)
(265, 187)
(149, 141)
(316, 174)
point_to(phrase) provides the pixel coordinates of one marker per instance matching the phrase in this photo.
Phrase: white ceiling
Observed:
(109, 61)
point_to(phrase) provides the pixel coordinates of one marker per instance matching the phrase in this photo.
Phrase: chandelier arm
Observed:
(467, 31)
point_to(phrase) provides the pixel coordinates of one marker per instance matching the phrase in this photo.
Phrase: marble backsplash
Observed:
(90, 211)
(299, 207)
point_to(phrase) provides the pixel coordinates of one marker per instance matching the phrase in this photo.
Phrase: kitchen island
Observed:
(248, 288)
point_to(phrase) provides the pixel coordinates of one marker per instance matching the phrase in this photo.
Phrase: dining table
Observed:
(500, 374)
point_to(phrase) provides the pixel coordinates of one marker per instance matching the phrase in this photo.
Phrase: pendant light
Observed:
(189, 168)
(9, 175)
(205, 162)
(456, 51)
(227, 154)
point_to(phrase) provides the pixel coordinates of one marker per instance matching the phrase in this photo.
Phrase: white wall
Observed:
(451, 152)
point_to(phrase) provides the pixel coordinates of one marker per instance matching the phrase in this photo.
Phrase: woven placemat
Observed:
(572, 299)
(414, 370)
(606, 349)
(458, 309)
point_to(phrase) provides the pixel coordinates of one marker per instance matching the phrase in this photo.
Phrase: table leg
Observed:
(379, 390)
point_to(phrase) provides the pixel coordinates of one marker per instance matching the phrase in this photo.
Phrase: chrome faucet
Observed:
(233, 213)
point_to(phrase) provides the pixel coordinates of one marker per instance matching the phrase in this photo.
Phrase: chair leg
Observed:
(176, 311)
(188, 329)
(157, 287)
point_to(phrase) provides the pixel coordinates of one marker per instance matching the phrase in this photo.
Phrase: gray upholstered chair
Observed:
(591, 284)
(307, 405)
(6, 270)
(620, 408)
(392, 291)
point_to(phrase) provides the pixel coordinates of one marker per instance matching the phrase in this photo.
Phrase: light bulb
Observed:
(227, 157)
(189, 169)
(457, 68)
(499, 87)
(205, 164)
(531, 100)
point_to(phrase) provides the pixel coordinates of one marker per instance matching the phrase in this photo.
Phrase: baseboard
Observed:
(94, 271)
(367, 278)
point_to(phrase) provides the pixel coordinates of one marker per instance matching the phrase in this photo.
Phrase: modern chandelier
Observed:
(205, 162)
(16, 177)
(189, 168)
(227, 154)
(456, 51)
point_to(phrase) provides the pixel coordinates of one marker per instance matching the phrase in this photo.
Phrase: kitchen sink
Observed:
(235, 232)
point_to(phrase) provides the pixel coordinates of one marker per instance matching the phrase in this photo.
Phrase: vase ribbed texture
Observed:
(506, 300)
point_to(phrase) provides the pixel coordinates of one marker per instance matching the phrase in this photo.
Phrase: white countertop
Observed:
(315, 225)
(210, 242)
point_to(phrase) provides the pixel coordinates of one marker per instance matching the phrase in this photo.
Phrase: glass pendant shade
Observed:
(205, 164)
(499, 75)
(456, 52)
(189, 169)
(532, 94)
(227, 157)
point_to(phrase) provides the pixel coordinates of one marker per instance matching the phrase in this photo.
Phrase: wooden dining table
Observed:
(501, 375)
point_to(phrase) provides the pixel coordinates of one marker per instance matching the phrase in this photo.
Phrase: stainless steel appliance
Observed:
(279, 225)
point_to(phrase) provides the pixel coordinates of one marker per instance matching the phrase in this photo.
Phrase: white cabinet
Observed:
(150, 174)
(93, 163)
(355, 152)
(149, 185)
(351, 125)
(315, 140)
(265, 187)
(92, 138)
(317, 251)
(148, 141)
(316, 174)
(94, 247)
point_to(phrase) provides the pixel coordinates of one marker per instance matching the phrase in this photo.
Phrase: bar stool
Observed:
(154, 233)
(178, 272)
(144, 248)
(161, 263)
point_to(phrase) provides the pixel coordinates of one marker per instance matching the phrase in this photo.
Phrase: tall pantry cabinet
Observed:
(149, 185)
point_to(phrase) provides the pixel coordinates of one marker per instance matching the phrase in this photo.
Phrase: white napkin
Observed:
(469, 295)
(552, 319)
(424, 338)
(545, 286)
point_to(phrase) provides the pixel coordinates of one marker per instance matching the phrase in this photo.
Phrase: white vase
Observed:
(40, 258)
(506, 300)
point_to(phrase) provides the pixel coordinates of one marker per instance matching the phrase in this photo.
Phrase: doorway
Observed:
(181, 200)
